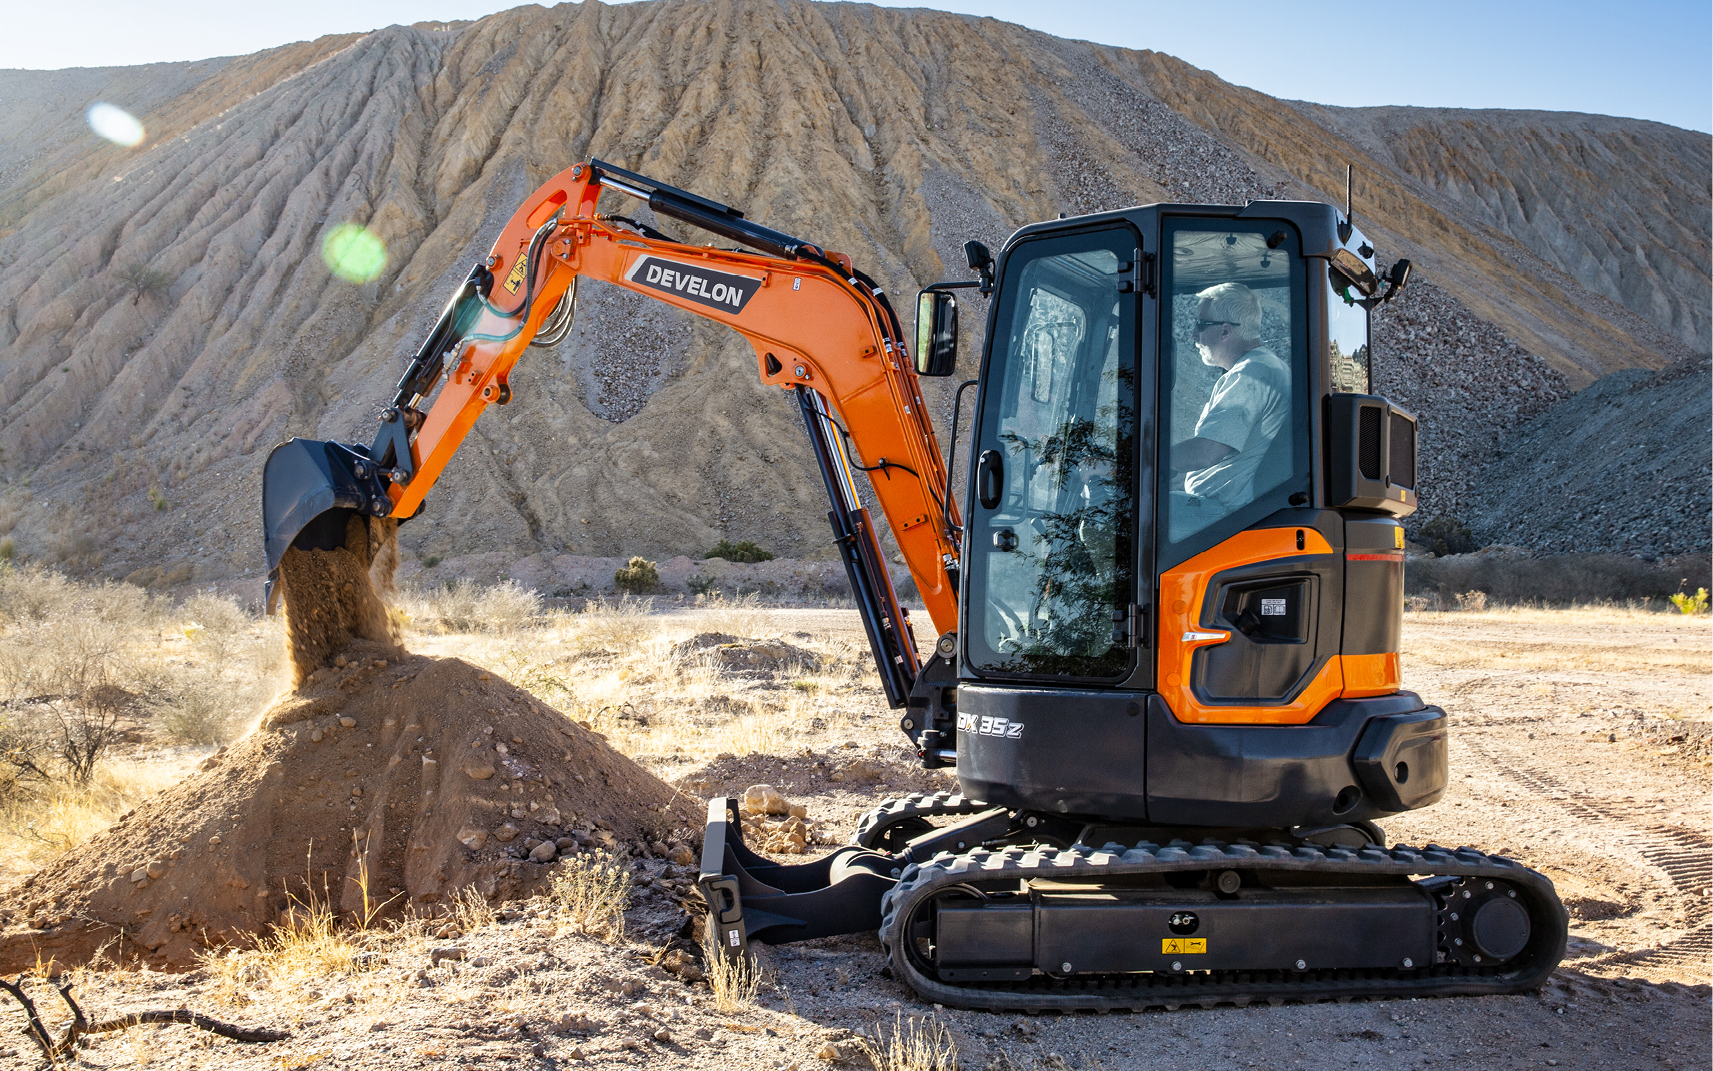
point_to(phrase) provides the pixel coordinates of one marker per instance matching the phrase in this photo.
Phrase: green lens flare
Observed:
(353, 254)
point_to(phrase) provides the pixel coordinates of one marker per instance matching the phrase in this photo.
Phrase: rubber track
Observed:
(916, 805)
(1137, 992)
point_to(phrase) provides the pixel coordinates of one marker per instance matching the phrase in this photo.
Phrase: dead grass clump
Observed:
(593, 891)
(615, 626)
(463, 605)
(470, 910)
(735, 982)
(910, 1045)
(742, 617)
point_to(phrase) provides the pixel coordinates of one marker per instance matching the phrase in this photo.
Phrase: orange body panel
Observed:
(1182, 592)
(1371, 674)
(826, 334)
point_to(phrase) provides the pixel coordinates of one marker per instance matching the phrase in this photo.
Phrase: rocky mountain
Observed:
(166, 317)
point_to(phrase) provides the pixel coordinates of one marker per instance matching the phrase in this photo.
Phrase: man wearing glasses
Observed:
(1247, 408)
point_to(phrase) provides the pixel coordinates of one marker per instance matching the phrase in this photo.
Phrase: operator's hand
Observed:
(1193, 455)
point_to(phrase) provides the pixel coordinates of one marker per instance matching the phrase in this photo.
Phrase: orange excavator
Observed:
(1166, 667)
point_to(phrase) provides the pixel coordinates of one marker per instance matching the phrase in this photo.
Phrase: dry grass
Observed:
(38, 825)
(910, 1045)
(628, 673)
(735, 983)
(592, 890)
(465, 606)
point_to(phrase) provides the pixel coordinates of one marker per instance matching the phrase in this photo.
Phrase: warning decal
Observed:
(704, 286)
(514, 278)
(1182, 946)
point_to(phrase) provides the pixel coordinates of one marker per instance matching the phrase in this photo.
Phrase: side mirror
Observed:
(936, 333)
(1396, 279)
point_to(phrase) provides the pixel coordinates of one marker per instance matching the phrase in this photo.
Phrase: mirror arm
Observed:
(935, 288)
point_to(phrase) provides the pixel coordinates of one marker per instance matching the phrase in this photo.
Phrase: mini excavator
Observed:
(1167, 611)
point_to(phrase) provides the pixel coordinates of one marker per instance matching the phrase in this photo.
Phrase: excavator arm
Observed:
(820, 330)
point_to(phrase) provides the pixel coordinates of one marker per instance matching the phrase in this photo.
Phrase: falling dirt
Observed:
(335, 596)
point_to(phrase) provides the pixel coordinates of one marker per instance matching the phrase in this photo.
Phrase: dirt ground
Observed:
(1580, 747)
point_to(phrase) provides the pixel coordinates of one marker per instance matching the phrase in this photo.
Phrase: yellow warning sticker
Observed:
(1398, 538)
(515, 278)
(1182, 946)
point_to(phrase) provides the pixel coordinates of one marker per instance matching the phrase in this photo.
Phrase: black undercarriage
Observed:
(1017, 910)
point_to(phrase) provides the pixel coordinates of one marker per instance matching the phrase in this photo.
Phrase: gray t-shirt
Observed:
(1247, 408)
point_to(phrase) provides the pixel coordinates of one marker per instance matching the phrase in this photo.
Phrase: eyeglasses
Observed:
(1203, 325)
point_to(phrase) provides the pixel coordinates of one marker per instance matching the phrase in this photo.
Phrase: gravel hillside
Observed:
(134, 421)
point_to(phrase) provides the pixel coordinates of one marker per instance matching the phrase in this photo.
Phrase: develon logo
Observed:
(986, 725)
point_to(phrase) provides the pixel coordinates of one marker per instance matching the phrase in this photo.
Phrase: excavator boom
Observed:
(819, 328)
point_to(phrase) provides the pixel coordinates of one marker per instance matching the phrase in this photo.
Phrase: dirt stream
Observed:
(383, 782)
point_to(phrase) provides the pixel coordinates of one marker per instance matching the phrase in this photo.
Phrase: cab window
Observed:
(1234, 379)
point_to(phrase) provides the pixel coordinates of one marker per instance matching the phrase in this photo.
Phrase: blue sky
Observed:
(1649, 59)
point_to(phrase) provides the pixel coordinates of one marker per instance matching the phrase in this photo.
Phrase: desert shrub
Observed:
(72, 665)
(742, 551)
(141, 279)
(593, 890)
(638, 577)
(1447, 535)
(735, 982)
(463, 605)
(231, 670)
(703, 585)
(1690, 604)
(1472, 600)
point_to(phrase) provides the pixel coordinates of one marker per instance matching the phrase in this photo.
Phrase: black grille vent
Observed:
(1403, 459)
(1368, 442)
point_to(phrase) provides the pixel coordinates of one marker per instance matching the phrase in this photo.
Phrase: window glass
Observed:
(1347, 337)
(1051, 560)
(1234, 377)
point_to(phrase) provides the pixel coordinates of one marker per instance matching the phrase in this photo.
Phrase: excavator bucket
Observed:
(311, 490)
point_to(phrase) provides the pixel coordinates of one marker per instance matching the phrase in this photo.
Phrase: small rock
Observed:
(316, 736)
(663, 1034)
(453, 953)
(141, 874)
(764, 799)
(449, 932)
(506, 833)
(380, 663)
(479, 772)
(566, 844)
(682, 856)
(473, 838)
(544, 852)
(798, 810)
(829, 1052)
(348, 722)
(355, 791)
(214, 841)
(575, 1054)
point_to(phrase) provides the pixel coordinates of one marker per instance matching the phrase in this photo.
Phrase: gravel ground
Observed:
(1579, 748)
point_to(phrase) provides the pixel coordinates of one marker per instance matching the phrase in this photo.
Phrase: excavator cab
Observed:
(1174, 700)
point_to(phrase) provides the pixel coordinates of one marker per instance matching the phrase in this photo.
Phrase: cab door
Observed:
(1052, 557)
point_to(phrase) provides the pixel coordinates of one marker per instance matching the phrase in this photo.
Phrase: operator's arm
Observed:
(1192, 455)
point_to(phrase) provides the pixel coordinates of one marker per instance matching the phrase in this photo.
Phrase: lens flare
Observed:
(114, 123)
(353, 254)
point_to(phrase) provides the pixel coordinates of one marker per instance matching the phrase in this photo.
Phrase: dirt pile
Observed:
(413, 776)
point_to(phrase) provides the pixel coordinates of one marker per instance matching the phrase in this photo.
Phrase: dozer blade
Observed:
(310, 491)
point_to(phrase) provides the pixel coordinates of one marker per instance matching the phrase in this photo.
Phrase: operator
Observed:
(1244, 413)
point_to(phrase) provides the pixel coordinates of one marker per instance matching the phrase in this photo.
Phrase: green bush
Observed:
(1690, 604)
(704, 585)
(1447, 535)
(742, 551)
(638, 577)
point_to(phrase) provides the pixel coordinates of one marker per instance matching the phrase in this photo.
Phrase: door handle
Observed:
(1005, 539)
(989, 478)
